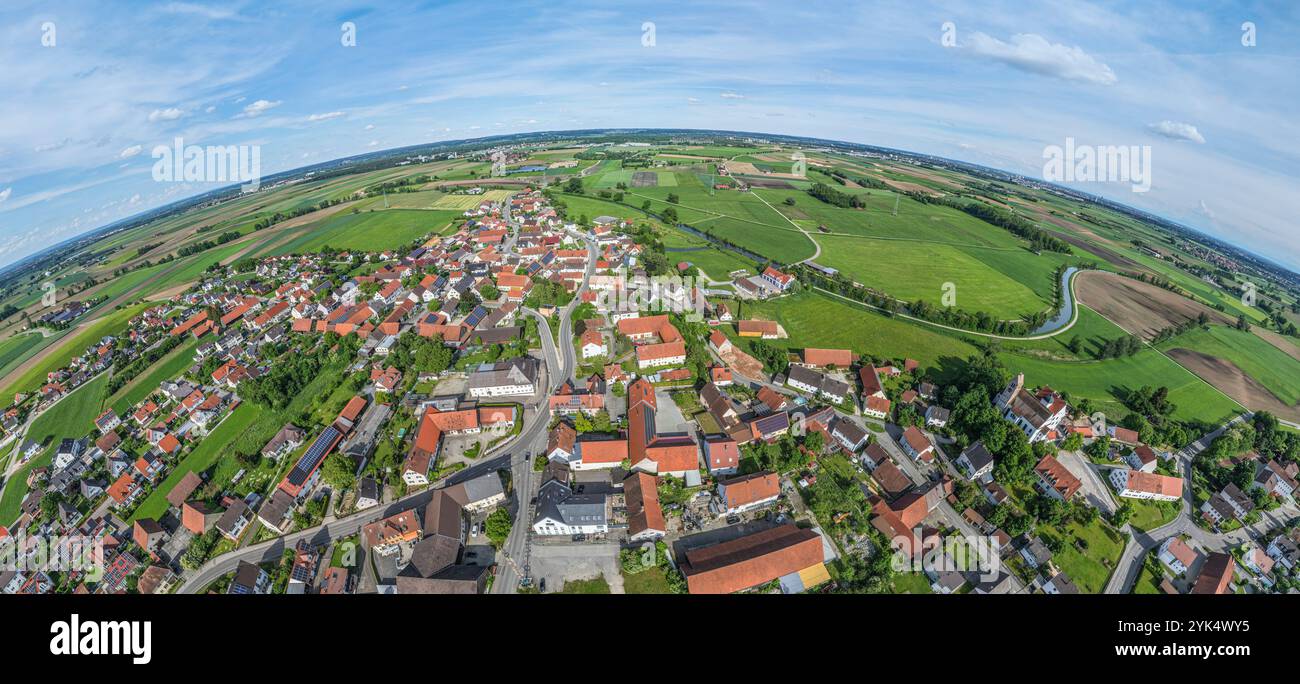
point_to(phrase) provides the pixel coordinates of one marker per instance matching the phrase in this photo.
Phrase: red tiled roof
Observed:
(751, 560)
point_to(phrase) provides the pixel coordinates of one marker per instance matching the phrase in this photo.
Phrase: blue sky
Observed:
(81, 117)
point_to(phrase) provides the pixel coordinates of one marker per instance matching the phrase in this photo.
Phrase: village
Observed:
(486, 412)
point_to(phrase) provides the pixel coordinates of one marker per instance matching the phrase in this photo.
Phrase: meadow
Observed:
(73, 417)
(1274, 369)
(368, 230)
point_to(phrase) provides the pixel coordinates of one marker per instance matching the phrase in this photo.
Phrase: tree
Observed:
(339, 471)
(1073, 442)
(498, 527)
(1099, 450)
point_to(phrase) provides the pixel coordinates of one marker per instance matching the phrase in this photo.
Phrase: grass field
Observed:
(1090, 327)
(1091, 567)
(911, 272)
(1273, 368)
(213, 447)
(110, 323)
(73, 417)
(651, 581)
(1105, 382)
(1148, 515)
(911, 583)
(166, 368)
(815, 320)
(16, 348)
(370, 230)
(590, 586)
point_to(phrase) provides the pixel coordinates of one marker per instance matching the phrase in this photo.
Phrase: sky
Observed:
(91, 88)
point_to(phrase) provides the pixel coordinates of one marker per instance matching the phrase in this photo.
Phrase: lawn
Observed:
(650, 581)
(1090, 568)
(1148, 582)
(1148, 515)
(213, 447)
(73, 417)
(589, 586)
(911, 583)
(1276, 370)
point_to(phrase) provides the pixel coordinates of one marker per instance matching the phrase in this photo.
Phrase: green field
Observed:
(1148, 515)
(166, 368)
(213, 447)
(1274, 369)
(1087, 567)
(911, 272)
(111, 323)
(16, 348)
(1092, 329)
(73, 417)
(816, 320)
(1106, 381)
(369, 230)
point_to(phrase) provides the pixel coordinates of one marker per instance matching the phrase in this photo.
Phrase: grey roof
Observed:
(1064, 584)
(478, 489)
(999, 585)
(514, 372)
(368, 488)
(557, 501)
(232, 515)
(431, 554)
(849, 430)
(978, 455)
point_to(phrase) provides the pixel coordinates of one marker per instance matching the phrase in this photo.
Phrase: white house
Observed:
(1038, 415)
(976, 461)
(1177, 555)
(1136, 484)
(593, 344)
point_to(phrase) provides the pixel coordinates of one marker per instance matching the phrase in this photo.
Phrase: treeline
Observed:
(205, 245)
(1127, 345)
(406, 184)
(864, 181)
(145, 249)
(836, 198)
(951, 316)
(124, 370)
(1201, 321)
(1038, 238)
(279, 216)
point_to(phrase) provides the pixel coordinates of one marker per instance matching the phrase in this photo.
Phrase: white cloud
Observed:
(4, 194)
(732, 96)
(693, 101)
(130, 151)
(168, 114)
(1035, 54)
(373, 143)
(260, 107)
(1178, 131)
(326, 116)
(370, 127)
(210, 109)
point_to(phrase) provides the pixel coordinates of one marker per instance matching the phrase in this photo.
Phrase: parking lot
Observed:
(557, 563)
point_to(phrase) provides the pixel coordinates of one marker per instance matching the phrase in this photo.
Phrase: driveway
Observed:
(1093, 486)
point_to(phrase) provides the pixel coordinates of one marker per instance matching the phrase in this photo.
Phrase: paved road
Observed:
(1129, 566)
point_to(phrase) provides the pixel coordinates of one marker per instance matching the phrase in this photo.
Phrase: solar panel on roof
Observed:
(315, 454)
(475, 316)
